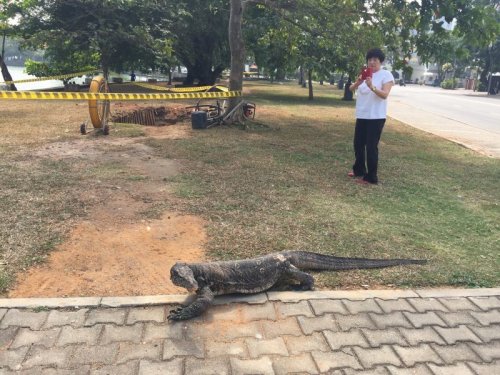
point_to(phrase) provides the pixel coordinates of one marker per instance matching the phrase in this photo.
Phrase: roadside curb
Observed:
(290, 297)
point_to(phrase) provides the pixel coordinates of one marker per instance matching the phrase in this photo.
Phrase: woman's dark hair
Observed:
(377, 53)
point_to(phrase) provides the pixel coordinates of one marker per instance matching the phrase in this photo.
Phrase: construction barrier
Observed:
(62, 76)
(41, 95)
(180, 89)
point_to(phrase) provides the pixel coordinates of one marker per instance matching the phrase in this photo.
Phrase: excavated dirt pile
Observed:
(149, 116)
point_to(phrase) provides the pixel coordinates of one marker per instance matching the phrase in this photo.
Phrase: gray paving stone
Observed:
(173, 348)
(13, 358)
(116, 316)
(27, 337)
(453, 319)
(210, 366)
(81, 370)
(296, 364)
(366, 306)
(338, 340)
(377, 356)
(379, 370)
(486, 368)
(488, 333)
(348, 322)
(395, 319)
(101, 354)
(488, 317)
(258, 348)
(85, 335)
(486, 303)
(129, 368)
(417, 354)
(328, 361)
(2, 313)
(226, 313)
(58, 318)
(317, 323)
(489, 352)
(287, 326)
(173, 367)
(235, 348)
(429, 318)
(226, 332)
(314, 342)
(460, 333)
(322, 306)
(39, 356)
(456, 353)
(146, 314)
(422, 335)
(130, 351)
(446, 293)
(419, 369)
(122, 333)
(384, 337)
(21, 318)
(458, 304)
(285, 310)
(459, 368)
(49, 303)
(7, 335)
(154, 331)
(262, 366)
(427, 304)
(264, 311)
(389, 306)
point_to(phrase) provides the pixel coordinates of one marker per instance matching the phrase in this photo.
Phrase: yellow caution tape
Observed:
(179, 89)
(40, 95)
(62, 76)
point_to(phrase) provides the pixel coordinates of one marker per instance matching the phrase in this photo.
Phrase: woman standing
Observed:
(371, 112)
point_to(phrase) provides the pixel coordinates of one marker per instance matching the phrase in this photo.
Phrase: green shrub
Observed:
(449, 84)
(482, 87)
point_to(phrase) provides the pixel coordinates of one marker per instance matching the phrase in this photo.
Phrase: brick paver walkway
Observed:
(361, 332)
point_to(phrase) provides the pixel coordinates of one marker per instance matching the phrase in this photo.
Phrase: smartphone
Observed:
(366, 72)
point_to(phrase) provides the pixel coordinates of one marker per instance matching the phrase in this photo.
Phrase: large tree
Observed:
(118, 33)
(200, 40)
(7, 11)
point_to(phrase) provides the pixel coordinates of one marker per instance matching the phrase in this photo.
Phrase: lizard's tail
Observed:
(306, 260)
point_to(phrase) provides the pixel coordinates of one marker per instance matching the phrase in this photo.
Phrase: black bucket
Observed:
(199, 120)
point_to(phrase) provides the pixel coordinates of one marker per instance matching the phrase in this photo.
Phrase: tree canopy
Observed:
(320, 36)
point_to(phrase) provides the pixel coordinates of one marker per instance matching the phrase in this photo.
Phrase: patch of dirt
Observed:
(115, 251)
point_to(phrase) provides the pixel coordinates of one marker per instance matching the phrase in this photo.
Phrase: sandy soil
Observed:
(114, 252)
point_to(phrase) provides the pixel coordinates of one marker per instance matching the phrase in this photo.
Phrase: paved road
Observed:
(462, 116)
(432, 332)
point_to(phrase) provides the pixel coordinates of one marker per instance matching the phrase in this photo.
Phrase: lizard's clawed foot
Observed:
(180, 313)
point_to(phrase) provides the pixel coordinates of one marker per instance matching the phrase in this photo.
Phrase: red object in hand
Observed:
(366, 72)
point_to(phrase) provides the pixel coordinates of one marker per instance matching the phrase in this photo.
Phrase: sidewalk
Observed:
(452, 331)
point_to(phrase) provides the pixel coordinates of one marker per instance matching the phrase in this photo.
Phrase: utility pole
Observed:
(491, 70)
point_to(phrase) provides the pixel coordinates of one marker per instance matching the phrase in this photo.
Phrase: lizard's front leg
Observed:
(203, 301)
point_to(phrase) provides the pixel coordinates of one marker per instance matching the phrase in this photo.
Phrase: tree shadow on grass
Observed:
(286, 100)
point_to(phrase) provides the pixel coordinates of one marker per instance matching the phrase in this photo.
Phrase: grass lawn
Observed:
(280, 184)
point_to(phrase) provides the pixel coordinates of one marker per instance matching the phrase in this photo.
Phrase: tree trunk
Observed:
(6, 75)
(309, 78)
(5, 71)
(237, 55)
(301, 75)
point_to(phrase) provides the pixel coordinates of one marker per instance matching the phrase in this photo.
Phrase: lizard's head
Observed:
(181, 275)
